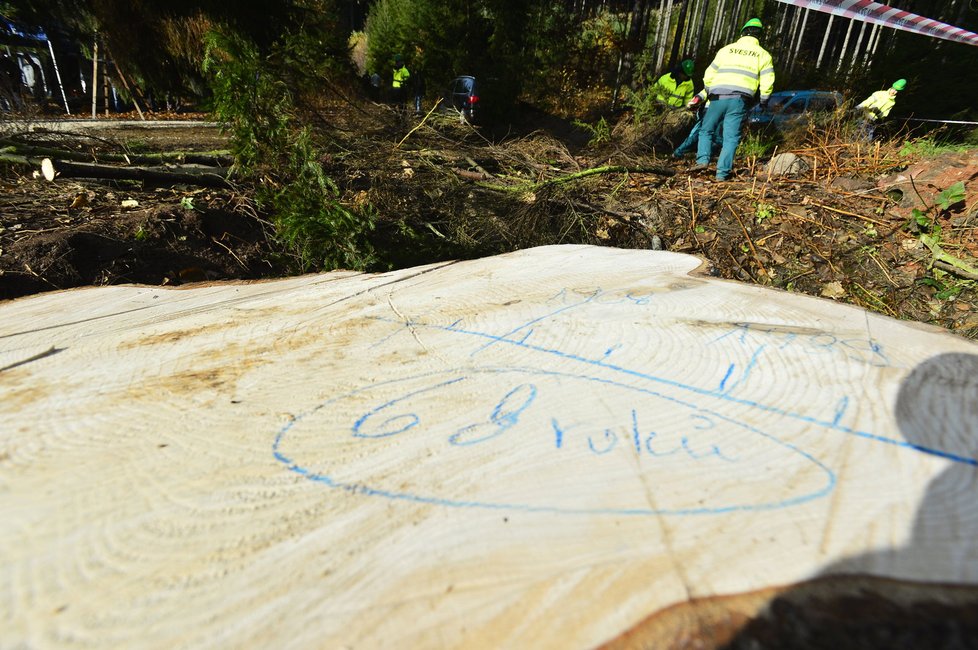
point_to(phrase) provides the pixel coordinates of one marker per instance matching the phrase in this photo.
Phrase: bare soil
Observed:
(80, 232)
(843, 228)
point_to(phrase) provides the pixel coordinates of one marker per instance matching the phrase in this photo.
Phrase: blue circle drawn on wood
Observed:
(514, 408)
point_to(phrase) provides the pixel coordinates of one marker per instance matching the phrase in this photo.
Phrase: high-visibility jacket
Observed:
(741, 68)
(401, 75)
(878, 105)
(671, 93)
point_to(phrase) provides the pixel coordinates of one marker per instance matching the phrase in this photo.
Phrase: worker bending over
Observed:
(739, 71)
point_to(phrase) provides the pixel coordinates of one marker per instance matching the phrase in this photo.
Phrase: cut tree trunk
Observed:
(554, 448)
(221, 158)
(173, 175)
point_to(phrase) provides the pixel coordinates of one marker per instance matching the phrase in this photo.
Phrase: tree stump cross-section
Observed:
(560, 447)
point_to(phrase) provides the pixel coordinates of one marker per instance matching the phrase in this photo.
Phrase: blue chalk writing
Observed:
(866, 351)
(517, 412)
(677, 442)
(558, 433)
(840, 410)
(504, 416)
(610, 439)
(396, 424)
(725, 396)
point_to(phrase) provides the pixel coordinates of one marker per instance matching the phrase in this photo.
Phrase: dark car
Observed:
(462, 95)
(790, 107)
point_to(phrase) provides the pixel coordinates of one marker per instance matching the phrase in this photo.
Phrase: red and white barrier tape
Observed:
(879, 14)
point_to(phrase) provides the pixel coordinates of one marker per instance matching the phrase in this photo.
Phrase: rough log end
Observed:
(47, 169)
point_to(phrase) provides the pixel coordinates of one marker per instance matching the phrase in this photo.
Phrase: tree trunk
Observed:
(717, 27)
(680, 29)
(186, 174)
(619, 73)
(207, 158)
(786, 37)
(666, 31)
(698, 36)
(94, 78)
(874, 40)
(734, 26)
(855, 50)
(633, 44)
(799, 39)
(659, 38)
(845, 44)
(689, 30)
(10, 158)
(825, 40)
(559, 447)
(105, 86)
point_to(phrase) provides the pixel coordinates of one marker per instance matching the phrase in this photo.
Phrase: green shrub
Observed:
(255, 106)
(600, 131)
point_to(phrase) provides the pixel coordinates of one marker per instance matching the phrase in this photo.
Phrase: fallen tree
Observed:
(169, 175)
(218, 158)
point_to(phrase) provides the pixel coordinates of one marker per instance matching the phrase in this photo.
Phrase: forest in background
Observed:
(573, 57)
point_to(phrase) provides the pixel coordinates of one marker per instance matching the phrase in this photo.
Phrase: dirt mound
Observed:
(63, 235)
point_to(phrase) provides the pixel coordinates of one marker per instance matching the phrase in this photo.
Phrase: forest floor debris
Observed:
(870, 224)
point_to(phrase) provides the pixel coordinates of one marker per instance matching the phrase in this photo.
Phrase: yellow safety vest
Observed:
(741, 68)
(878, 104)
(401, 75)
(671, 93)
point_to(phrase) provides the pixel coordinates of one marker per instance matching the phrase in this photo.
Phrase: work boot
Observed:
(698, 167)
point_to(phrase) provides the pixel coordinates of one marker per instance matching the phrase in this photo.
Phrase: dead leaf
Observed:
(706, 236)
(833, 290)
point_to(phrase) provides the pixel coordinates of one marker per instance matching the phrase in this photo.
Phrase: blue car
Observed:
(791, 107)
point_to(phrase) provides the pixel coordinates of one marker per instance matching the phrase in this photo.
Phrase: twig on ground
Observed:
(750, 242)
(419, 124)
(850, 214)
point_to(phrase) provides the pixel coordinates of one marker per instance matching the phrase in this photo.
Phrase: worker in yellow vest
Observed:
(878, 105)
(675, 88)
(399, 80)
(739, 71)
